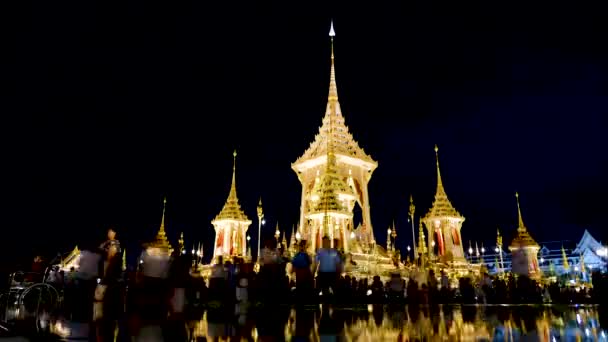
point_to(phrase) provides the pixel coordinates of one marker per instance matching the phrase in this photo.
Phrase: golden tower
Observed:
(160, 241)
(334, 172)
(524, 250)
(443, 224)
(231, 225)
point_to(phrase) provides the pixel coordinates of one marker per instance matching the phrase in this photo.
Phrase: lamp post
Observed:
(260, 222)
(248, 249)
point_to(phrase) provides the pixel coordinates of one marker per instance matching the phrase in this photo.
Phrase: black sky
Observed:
(113, 105)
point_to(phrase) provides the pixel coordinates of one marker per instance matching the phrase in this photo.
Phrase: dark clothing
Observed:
(304, 280)
(327, 280)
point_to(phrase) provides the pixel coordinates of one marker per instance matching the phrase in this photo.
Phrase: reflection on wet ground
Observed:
(364, 323)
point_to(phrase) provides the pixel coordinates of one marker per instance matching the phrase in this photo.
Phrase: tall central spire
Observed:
(440, 189)
(232, 194)
(161, 237)
(232, 209)
(520, 222)
(333, 88)
(442, 207)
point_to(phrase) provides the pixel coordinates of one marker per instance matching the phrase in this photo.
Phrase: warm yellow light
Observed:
(298, 236)
(352, 235)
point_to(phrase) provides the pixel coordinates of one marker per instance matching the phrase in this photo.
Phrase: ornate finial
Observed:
(412, 209)
(260, 211)
(232, 194)
(521, 226)
(333, 88)
(162, 220)
(439, 181)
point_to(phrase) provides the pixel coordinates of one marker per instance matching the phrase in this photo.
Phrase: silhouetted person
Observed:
(302, 264)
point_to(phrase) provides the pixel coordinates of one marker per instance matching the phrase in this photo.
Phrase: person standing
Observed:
(302, 264)
(328, 264)
(109, 293)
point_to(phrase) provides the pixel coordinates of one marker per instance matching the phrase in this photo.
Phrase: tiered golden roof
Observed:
(442, 207)
(232, 209)
(338, 138)
(161, 240)
(328, 189)
(522, 238)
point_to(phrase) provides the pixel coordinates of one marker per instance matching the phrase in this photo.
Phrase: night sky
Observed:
(113, 105)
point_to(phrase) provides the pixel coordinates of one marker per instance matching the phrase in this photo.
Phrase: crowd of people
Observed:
(163, 285)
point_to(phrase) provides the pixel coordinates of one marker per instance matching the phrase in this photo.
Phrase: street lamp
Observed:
(298, 236)
(277, 234)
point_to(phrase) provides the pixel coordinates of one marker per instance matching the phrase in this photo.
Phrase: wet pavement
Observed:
(361, 323)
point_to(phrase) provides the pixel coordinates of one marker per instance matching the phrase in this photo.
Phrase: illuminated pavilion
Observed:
(231, 225)
(334, 160)
(443, 224)
(524, 250)
(334, 172)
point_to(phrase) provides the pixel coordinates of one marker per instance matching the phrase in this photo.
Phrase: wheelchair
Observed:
(28, 295)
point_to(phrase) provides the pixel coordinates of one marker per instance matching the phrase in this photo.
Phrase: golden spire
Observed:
(442, 207)
(498, 239)
(331, 185)
(421, 243)
(520, 220)
(233, 184)
(333, 88)
(292, 239)
(439, 182)
(161, 237)
(522, 238)
(124, 259)
(412, 209)
(260, 211)
(232, 209)
(344, 143)
(565, 263)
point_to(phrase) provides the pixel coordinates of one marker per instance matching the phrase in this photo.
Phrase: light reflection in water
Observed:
(372, 323)
(381, 323)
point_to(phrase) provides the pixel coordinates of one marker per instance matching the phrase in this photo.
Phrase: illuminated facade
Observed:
(231, 225)
(334, 172)
(443, 224)
(524, 250)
